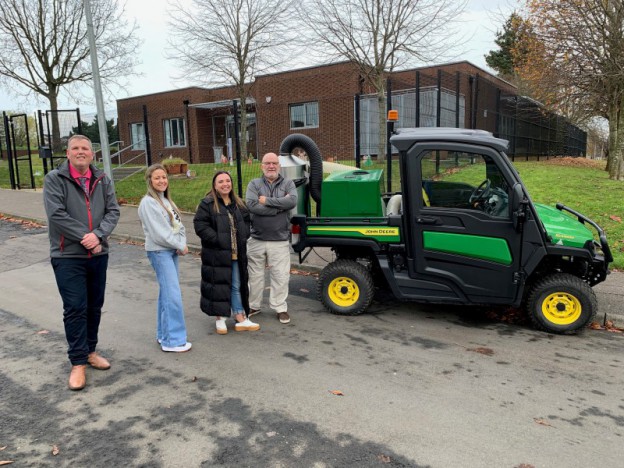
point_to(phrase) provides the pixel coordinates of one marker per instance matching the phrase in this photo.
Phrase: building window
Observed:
(304, 115)
(174, 132)
(137, 136)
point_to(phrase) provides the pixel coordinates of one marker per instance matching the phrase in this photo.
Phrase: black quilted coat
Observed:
(216, 255)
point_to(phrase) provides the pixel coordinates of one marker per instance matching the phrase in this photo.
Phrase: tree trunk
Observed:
(55, 144)
(615, 161)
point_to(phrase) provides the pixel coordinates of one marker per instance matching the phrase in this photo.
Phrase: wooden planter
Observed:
(176, 168)
(172, 168)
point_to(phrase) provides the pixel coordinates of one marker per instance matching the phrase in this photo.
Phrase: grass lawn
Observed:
(586, 189)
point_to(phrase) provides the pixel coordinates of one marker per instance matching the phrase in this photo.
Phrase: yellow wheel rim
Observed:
(344, 292)
(561, 308)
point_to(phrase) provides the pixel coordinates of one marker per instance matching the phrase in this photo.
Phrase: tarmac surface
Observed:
(402, 385)
(28, 205)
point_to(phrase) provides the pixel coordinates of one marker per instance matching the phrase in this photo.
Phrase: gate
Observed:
(55, 128)
(19, 155)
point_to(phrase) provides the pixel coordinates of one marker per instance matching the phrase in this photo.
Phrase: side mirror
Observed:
(518, 206)
(517, 196)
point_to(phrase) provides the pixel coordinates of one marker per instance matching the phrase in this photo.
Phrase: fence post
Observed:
(239, 174)
(7, 134)
(439, 99)
(417, 99)
(79, 120)
(498, 110)
(186, 103)
(148, 146)
(41, 136)
(457, 91)
(388, 131)
(476, 100)
(357, 131)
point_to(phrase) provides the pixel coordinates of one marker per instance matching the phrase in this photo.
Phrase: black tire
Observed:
(345, 287)
(561, 303)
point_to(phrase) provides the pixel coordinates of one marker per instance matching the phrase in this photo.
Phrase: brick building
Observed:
(195, 123)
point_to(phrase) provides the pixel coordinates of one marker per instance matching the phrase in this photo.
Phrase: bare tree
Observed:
(231, 41)
(379, 36)
(44, 47)
(576, 63)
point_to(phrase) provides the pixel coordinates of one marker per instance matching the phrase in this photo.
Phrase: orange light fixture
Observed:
(393, 115)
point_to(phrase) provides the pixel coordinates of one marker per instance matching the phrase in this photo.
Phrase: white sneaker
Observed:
(221, 326)
(177, 349)
(246, 325)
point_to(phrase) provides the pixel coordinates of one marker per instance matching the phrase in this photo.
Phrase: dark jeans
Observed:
(81, 283)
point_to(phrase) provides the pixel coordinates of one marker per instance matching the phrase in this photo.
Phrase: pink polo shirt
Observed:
(77, 175)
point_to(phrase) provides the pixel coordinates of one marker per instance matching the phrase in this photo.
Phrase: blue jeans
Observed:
(236, 301)
(170, 329)
(81, 283)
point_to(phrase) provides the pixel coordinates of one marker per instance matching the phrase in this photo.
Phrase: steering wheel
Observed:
(481, 192)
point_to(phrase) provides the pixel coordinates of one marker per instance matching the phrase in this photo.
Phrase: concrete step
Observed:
(121, 173)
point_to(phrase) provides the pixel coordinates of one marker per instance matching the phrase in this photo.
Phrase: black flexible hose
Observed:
(316, 161)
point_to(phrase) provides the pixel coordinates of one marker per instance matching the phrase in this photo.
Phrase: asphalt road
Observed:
(422, 386)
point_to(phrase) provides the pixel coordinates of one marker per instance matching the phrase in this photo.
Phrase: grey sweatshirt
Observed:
(160, 233)
(271, 221)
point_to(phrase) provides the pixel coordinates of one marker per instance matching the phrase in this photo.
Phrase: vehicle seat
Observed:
(395, 205)
(425, 198)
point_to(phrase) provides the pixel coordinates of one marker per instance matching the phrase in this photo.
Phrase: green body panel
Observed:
(486, 248)
(380, 234)
(352, 193)
(563, 229)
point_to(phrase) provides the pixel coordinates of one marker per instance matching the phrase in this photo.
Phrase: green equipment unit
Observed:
(353, 193)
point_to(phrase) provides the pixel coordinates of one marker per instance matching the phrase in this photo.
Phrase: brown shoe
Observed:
(98, 362)
(78, 377)
(283, 317)
(253, 312)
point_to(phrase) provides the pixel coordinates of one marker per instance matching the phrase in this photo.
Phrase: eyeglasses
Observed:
(271, 163)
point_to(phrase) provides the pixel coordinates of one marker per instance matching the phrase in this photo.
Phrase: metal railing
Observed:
(117, 157)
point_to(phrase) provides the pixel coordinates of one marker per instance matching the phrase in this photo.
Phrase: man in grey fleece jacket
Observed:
(82, 212)
(270, 199)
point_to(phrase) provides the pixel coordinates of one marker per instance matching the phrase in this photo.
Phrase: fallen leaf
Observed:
(294, 271)
(194, 379)
(271, 434)
(336, 392)
(43, 332)
(55, 450)
(615, 218)
(481, 350)
(524, 465)
(384, 458)
(543, 422)
(608, 326)
(2, 448)
(5, 462)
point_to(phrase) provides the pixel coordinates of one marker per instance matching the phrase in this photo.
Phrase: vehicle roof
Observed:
(404, 138)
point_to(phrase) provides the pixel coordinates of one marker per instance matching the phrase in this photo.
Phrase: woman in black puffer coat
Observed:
(222, 224)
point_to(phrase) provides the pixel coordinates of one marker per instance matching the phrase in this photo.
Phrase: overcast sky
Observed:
(480, 21)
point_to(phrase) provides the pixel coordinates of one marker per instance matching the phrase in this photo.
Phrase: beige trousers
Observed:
(275, 255)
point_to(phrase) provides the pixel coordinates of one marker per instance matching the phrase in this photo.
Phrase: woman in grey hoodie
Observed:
(165, 240)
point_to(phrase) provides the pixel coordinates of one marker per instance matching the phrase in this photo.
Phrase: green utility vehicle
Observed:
(462, 230)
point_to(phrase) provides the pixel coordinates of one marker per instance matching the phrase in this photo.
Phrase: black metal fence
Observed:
(470, 101)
